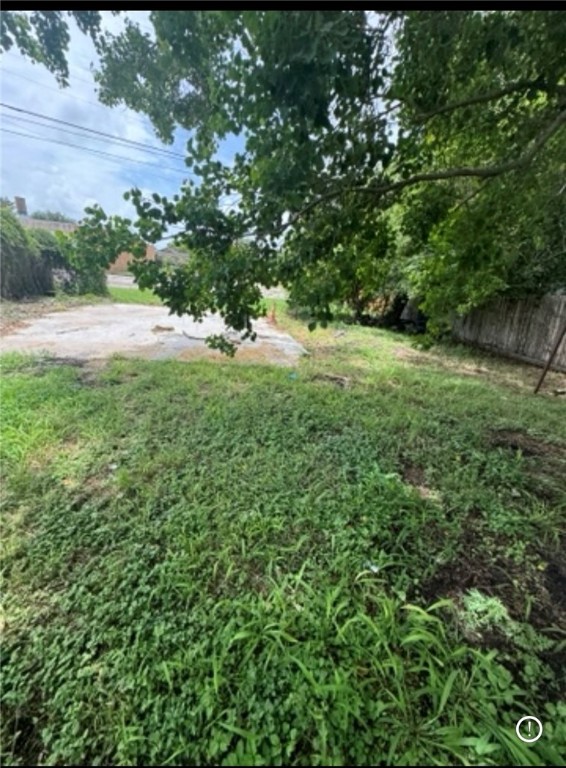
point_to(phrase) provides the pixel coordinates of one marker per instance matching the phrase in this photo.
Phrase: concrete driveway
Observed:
(135, 330)
(120, 281)
(127, 281)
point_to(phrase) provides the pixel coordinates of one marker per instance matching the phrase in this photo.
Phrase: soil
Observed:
(521, 441)
(544, 465)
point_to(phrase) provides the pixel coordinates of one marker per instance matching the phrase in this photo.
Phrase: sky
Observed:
(61, 178)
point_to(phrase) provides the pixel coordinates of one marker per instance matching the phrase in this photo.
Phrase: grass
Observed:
(358, 561)
(132, 295)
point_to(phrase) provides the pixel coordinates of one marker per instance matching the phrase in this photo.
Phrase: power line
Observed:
(140, 121)
(51, 88)
(20, 57)
(119, 158)
(132, 117)
(26, 121)
(64, 92)
(131, 142)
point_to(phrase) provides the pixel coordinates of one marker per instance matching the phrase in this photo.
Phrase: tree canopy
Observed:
(422, 150)
(51, 216)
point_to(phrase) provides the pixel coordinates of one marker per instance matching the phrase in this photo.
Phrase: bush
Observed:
(86, 273)
(23, 272)
(91, 280)
(71, 274)
(49, 248)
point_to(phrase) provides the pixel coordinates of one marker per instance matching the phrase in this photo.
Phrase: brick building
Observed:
(122, 263)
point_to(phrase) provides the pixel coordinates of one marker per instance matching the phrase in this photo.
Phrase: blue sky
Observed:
(66, 179)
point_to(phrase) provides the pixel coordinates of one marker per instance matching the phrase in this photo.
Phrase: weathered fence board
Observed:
(525, 329)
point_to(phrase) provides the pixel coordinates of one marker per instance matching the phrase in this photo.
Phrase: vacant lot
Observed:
(121, 324)
(18, 314)
(356, 561)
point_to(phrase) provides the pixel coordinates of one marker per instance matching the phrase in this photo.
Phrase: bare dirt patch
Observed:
(555, 581)
(414, 475)
(260, 352)
(509, 581)
(340, 381)
(521, 441)
(545, 463)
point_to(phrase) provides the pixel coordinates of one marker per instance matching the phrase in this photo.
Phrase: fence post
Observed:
(551, 358)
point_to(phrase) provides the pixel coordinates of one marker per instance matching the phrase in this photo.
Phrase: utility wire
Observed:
(131, 142)
(119, 158)
(69, 93)
(26, 120)
(20, 57)
(60, 91)
(65, 92)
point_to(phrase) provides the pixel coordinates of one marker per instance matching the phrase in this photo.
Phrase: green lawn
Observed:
(357, 561)
(132, 295)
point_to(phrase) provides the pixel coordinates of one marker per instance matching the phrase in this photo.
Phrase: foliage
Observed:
(49, 247)
(482, 611)
(340, 114)
(44, 36)
(243, 543)
(24, 273)
(92, 248)
(77, 270)
(50, 216)
(463, 245)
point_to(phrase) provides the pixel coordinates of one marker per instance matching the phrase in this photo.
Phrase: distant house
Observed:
(122, 263)
(172, 255)
(51, 226)
(30, 223)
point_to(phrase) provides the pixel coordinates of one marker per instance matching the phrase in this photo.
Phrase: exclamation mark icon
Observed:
(532, 734)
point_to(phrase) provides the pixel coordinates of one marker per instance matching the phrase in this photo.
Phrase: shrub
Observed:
(50, 248)
(23, 272)
(91, 280)
(82, 275)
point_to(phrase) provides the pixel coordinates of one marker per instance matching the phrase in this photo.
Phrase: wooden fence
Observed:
(525, 329)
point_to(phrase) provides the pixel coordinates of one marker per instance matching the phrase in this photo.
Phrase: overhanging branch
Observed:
(481, 172)
(481, 99)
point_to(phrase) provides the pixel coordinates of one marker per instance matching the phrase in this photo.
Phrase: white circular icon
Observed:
(532, 734)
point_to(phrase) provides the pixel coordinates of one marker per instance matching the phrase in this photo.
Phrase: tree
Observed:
(344, 116)
(91, 248)
(51, 216)
(5, 202)
(44, 37)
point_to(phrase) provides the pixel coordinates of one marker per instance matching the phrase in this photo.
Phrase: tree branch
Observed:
(482, 172)
(480, 99)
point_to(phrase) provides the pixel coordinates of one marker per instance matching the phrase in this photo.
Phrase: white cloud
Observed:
(63, 178)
